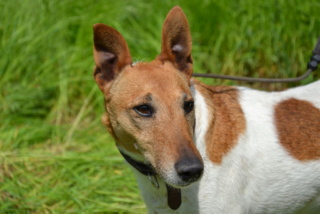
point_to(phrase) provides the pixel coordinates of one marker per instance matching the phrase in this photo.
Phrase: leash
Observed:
(173, 194)
(312, 66)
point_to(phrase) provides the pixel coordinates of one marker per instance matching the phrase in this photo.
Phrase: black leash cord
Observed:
(312, 65)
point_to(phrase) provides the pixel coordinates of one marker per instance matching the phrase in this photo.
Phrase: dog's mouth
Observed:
(186, 172)
(178, 179)
(182, 174)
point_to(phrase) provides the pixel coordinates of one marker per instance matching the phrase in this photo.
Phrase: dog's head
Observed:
(149, 106)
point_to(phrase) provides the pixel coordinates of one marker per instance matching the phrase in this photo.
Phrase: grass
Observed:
(55, 156)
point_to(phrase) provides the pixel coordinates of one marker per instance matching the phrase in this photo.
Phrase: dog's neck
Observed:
(173, 194)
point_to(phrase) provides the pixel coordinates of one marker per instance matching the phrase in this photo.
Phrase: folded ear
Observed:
(176, 41)
(111, 54)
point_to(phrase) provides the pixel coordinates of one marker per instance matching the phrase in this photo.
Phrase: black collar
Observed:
(174, 194)
(145, 169)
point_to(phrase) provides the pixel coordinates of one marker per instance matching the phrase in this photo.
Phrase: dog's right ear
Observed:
(111, 54)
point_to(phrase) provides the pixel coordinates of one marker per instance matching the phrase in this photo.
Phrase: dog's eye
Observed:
(188, 106)
(144, 110)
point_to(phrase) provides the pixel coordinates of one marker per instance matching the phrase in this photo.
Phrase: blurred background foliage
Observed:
(55, 156)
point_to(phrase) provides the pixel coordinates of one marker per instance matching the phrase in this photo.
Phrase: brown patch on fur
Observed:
(298, 126)
(227, 122)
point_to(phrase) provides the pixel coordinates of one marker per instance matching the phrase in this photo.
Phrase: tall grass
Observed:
(55, 156)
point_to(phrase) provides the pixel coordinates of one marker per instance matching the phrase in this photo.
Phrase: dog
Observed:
(205, 149)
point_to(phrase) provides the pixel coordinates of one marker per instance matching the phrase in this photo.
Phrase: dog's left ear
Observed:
(176, 41)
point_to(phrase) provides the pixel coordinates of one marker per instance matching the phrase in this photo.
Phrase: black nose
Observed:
(189, 170)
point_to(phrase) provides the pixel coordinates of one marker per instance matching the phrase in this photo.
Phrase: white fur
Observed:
(202, 122)
(257, 175)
